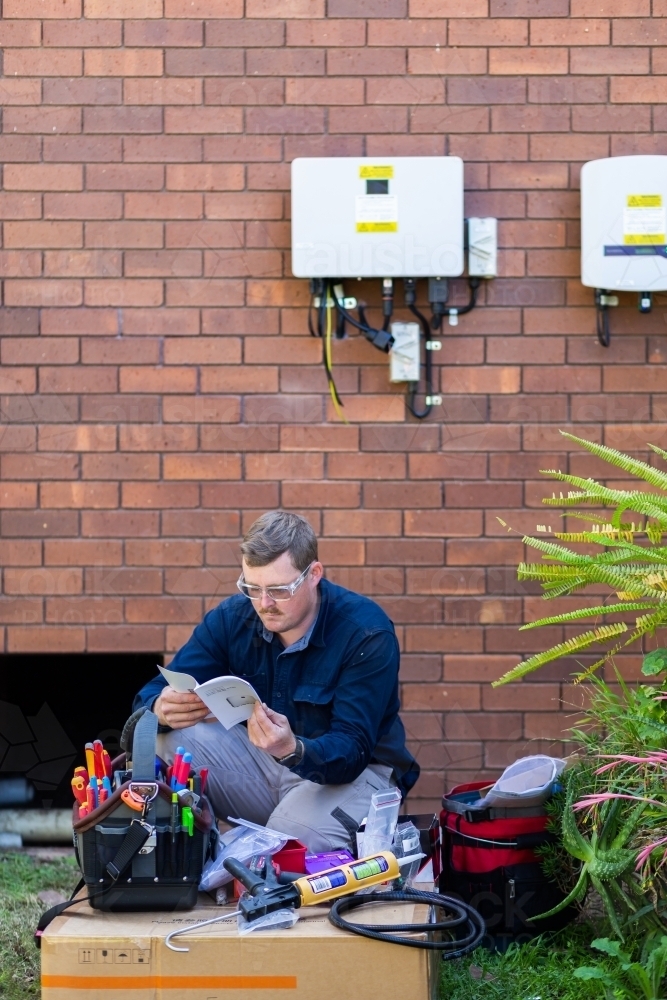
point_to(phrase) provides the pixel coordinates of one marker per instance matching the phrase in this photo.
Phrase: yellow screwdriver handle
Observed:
(344, 879)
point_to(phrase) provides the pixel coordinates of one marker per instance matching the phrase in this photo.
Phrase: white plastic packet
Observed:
(407, 850)
(248, 840)
(277, 921)
(381, 822)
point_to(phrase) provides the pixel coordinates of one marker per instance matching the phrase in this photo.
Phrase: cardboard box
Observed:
(89, 955)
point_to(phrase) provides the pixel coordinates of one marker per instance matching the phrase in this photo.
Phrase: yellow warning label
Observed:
(644, 221)
(644, 201)
(377, 227)
(637, 239)
(379, 173)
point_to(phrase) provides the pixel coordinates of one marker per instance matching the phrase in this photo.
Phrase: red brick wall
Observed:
(158, 384)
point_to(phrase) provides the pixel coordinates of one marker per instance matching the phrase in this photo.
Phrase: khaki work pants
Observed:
(248, 783)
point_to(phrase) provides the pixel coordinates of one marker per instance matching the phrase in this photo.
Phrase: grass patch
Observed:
(22, 877)
(540, 970)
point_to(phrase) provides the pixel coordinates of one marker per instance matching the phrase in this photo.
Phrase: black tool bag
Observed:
(489, 861)
(138, 861)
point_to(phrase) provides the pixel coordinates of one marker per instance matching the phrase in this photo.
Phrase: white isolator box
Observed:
(482, 247)
(404, 354)
(377, 217)
(624, 224)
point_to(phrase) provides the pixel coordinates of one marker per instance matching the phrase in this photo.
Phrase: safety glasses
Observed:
(281, 593)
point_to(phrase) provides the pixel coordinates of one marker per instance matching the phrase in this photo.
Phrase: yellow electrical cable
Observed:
(327, 348)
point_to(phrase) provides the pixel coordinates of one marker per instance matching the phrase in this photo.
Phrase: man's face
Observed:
(283, 616)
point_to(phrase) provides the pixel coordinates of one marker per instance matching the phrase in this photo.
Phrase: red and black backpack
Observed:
(489, 861)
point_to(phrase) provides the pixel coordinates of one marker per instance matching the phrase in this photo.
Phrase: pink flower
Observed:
(589, 801)
(646, 852)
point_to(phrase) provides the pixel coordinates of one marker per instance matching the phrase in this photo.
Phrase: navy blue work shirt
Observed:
(337, 685)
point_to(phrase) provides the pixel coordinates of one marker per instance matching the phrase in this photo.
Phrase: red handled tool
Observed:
(98, 750)
(90, 760)
(79, 789)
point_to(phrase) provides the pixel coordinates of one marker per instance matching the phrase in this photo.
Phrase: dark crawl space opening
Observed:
(51, 705)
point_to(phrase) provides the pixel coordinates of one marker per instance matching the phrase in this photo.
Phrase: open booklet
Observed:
(230, 699)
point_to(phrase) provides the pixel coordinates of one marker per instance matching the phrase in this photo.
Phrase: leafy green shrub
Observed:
(613, 810)
(636, 573)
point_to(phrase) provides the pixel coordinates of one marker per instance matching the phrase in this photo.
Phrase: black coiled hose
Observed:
(465, 921)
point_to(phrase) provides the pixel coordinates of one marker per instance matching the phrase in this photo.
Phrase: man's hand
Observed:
(180, 709)
(271, 731)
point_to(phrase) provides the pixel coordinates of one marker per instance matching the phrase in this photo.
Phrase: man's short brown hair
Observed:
(278, 532)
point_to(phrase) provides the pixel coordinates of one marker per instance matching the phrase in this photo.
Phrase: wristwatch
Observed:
(294, 758)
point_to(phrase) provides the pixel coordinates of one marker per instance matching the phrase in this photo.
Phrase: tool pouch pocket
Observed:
(135, 858)
(99, 850)
(157, 869)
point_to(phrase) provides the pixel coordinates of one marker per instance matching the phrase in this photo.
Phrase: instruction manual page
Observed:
(230, 699)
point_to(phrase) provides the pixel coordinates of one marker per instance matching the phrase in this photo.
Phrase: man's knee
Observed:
(326, 817)
(292, 825)
(317, 820)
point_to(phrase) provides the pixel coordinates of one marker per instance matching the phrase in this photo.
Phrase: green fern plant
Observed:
(628, 557)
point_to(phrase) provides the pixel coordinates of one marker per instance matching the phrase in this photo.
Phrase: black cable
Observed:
(438, 296)
(387, 309)
(473, 285)
(465, 919)
(387, 301)
(428, 369)
(361, 311)
(311, 329)
(436, 317)
(381, 339)
(340, 327)
(321, 290)
(324, 291)
(602, 325)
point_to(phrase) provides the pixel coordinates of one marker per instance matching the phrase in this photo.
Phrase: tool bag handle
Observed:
(55, 911)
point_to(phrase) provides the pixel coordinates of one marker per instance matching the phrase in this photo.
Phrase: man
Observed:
(325, 663)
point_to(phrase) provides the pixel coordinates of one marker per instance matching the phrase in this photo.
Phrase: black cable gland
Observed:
(410, 291)
(645, 302)
(438, 291)
(438, 311)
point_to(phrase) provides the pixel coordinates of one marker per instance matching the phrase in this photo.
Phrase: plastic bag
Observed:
(381, 822)
(241, 843)
(407, 850)
(527, 782)
(279, 920)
